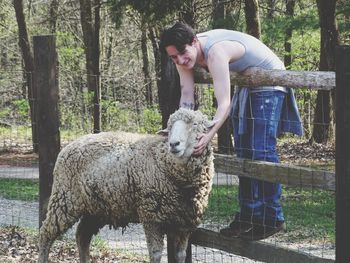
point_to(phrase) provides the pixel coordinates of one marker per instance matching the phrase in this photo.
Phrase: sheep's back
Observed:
(81, 153)
(96, 170)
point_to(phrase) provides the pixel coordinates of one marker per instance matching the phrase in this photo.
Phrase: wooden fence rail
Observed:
(286, 174)
(257, 250)
(254, 77)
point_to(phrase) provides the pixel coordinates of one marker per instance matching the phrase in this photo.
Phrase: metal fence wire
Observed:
(308, 205)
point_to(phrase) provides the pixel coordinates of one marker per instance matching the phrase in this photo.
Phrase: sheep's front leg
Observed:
(88, 226)
(178, 240)
(155, 241)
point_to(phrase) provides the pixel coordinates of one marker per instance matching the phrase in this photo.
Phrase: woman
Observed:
(259, 114)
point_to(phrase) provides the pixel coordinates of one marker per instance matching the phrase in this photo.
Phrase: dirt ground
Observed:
(18, 245)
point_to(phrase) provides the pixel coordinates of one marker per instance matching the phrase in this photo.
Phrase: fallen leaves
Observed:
(306, 153)
(20, 246)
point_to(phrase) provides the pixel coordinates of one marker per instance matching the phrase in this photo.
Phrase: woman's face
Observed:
(186, 58)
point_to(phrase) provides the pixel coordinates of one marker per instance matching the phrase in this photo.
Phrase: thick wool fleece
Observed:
(120, 178)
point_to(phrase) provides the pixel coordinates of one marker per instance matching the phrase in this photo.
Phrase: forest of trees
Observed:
(111, 71)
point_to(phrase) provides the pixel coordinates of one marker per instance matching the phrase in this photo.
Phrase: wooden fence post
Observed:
(46, 84)
(342, 158)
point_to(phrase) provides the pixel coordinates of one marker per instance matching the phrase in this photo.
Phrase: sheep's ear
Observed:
(164, 132)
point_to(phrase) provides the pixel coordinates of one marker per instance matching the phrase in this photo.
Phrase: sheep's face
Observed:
(184, 126)
(181, 139)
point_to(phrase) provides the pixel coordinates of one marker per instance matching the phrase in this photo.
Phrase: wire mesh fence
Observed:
(309, 211)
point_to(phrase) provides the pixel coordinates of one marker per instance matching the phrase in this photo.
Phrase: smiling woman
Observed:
(259, 115)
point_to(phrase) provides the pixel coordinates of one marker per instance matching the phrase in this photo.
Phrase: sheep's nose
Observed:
(174, 144)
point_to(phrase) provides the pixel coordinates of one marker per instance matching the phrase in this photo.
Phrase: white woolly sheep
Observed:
(117, 178)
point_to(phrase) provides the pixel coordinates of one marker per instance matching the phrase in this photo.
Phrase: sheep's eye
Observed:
(195, 124)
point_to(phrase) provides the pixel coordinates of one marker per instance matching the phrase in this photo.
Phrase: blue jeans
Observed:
(260, 201)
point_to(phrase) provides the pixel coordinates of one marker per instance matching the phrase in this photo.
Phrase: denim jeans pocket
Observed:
(265, 112)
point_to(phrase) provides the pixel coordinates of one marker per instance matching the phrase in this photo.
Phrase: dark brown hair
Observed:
(178, 35)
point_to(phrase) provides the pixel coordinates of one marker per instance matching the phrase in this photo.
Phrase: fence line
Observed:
(257, 250)
(289, 175)
(286, 174)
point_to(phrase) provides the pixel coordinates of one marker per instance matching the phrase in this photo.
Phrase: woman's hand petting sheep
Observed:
(203, 140)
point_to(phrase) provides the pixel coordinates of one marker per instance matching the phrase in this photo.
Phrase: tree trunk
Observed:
(225, 145)
(156, 54)
(169, 93)
(28, 67)
(53, 15)
(218, 15)
(145, 66)
(90, 22)
(251, 9)
(271, 4)
(188, 15)
(290, 4)
(329, 40)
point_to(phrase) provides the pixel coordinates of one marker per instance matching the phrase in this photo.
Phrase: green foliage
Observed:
(4, 113)
(343, 20)
(228, 22)
(70, 53)
(17, 111)
(115, 117)
(206, 101)
(22, 108)
(19, 189)
(153, 10)
(151, 121)
(306, 50)
(305, 40)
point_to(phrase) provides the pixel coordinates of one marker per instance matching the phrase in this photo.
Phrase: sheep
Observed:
(117, 178)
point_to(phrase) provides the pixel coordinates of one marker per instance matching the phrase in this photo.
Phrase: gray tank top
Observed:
(257, 54)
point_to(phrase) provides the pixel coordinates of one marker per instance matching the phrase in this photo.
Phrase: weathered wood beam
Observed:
(286, 174)
(48, 121)
(260, 251)
(254, 77)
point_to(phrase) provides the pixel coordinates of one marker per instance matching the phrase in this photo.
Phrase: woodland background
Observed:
(112, 75)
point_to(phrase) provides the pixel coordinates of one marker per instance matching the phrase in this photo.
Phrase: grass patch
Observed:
(19, 189)
(308, 213)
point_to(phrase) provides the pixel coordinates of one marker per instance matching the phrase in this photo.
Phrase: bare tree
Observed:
(329, 39)
(53, 11)
(27, 54)
(251, 9)
(90, 23)
(224, 133)
(146, 66)
(218, 14)
(290, 4)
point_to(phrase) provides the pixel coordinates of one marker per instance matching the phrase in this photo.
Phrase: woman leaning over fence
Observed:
(259, 114)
